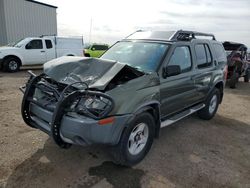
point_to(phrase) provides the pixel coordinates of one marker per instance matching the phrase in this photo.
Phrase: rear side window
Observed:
(220, 53)
(35, 44)
(203, 56)
(181, 57)
(48, 44)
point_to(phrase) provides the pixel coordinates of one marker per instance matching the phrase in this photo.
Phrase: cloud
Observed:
(112, 19)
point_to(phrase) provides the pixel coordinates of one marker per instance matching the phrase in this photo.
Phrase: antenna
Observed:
(90, 30)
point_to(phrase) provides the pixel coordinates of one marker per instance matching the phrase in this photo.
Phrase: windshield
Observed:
(142, 55)
(17, 44)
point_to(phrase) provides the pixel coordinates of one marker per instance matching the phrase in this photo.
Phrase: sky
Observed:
(107, 21)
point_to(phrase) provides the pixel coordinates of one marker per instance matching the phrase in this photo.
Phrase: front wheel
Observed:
(11, 65)
(135, 141)
(211, 107)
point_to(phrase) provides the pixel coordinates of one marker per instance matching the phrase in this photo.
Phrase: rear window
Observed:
(203, 56)
(220, 53)
(48, 44)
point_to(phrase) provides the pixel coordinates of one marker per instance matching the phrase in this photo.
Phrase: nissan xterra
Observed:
(147, 81)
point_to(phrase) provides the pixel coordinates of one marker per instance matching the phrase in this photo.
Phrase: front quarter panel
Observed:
(135, 94)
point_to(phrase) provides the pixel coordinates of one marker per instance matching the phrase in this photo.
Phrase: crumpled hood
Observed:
(97, 73)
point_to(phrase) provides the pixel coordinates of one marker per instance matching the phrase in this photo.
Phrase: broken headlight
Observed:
(94, 106)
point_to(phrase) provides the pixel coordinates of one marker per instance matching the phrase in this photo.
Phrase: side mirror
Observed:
(171, 70)
(93, 48)
(28, 46)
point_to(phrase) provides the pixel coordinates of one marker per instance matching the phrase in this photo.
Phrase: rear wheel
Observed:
(135, 141)
(233, 80)
(11, 64)
(246, 77)
(211, 107)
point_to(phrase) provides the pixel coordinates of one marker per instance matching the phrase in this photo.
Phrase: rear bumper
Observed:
(74, 128)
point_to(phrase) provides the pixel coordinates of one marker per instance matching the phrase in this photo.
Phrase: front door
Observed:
(178, 92)
(34, 52)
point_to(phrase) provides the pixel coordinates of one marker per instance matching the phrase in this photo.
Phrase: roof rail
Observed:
(189, 35)
(133, 33)
(53, 35)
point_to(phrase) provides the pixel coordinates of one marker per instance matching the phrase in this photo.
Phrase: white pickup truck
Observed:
(35, 51)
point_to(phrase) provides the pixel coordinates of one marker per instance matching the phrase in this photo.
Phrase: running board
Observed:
(181, 115)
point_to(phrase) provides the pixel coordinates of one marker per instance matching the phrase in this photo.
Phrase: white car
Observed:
(38, 50)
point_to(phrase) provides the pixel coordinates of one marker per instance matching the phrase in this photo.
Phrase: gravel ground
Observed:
(191, 153)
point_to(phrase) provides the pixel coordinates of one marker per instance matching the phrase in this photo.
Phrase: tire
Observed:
(211, 107)
(124, 153)
(246, 77)
(11, 64)
(233, 80)
(87, 55)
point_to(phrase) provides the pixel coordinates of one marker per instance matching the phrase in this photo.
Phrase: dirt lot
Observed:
(191, 153)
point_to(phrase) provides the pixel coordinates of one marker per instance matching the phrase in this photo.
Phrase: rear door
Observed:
(204, 69)
(178, 92)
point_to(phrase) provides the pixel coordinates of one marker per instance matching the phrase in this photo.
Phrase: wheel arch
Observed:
(220, 86)
(13, 56)
(87, 55)
(70, 54)
(152, 108)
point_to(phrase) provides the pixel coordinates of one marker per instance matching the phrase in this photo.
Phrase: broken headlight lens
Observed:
(94, 106)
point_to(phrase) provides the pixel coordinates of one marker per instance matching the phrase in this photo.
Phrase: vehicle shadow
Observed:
(191, 153)
(52, 166)
(76, 167)
(242, 89)
(198, 153)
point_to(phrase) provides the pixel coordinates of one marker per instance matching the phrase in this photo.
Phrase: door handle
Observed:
(42, 51)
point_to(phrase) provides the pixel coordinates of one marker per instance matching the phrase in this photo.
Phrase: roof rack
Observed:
(133, 33)
(189, 35)
(53, 35)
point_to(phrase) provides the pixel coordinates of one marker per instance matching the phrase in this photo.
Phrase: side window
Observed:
(181, 57)
(35, 44)
(220, 53)
(208, 54)
(48, 44)
(103, 47)
(94, 47)
(203, 55)
(99, 47)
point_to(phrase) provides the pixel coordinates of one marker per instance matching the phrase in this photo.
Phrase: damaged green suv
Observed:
(147, 81)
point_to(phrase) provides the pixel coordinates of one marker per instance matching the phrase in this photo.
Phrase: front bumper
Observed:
(77, 129)
(69, 127)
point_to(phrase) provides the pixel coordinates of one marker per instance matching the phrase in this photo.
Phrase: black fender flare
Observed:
(153, 107)
(219, 85)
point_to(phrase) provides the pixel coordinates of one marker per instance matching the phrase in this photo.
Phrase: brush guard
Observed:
(64, 100)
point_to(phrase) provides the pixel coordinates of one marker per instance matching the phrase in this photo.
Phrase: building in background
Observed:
(26, 18)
